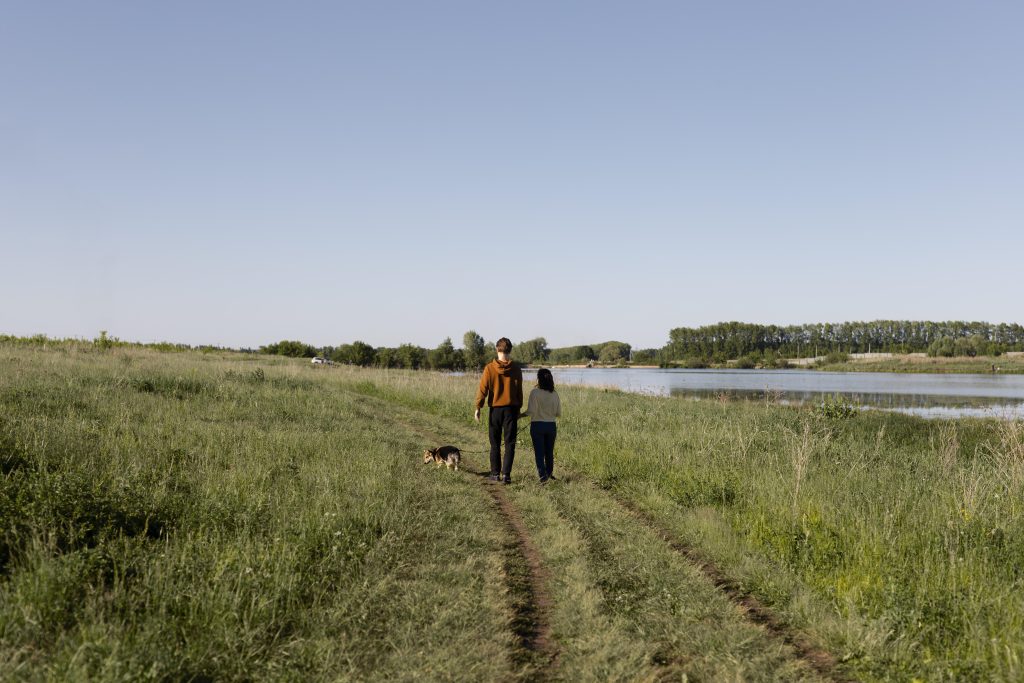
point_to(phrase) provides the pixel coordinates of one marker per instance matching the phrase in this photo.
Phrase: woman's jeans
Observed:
(543, 435)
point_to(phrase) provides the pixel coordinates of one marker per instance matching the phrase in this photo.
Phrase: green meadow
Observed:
(228, 517)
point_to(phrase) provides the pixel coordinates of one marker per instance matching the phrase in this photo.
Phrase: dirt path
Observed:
(535, 651)
(534, 630)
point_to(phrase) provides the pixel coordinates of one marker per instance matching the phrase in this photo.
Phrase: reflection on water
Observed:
(927, 395)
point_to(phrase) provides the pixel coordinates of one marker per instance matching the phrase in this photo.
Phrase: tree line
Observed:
(728, 340)
(474, 354)
(693, 346)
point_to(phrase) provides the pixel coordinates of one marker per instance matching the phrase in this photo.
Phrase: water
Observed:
(928, 395)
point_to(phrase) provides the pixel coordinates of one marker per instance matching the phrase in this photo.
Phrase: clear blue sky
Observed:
(239, 173)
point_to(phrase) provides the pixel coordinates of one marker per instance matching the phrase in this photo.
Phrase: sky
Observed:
(401, 172)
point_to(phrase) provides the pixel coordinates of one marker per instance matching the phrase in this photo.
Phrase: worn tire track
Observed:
(821, 660)
(535, 651)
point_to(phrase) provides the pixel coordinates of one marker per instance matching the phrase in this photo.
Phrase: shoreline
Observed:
(1009, 363)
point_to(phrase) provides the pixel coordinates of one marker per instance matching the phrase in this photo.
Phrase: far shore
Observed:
(1010, 363)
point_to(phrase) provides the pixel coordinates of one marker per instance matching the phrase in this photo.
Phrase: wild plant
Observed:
(801, 448)
(1007, 457)
(946, 445)
(836, 408)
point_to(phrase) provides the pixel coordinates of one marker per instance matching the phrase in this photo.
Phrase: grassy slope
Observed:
(180, 516)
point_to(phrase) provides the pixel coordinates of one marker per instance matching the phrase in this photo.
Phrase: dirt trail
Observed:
(532, 624)
(535, 651)
(822, 661)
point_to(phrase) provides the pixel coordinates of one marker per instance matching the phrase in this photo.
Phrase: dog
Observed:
(444, 455)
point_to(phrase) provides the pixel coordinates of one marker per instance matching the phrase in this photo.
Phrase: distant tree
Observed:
(356, 353)
(490, 353)
(965, 346)
(293, 349)
(447, 357)
(571, 354)
(983, 346)
(410, 356)
(531, 351)
(614, 352)
(474, 350)
(941, 347)
(645, 356)
(385, 357)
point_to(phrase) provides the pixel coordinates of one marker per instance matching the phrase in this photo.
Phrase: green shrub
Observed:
(836, 408)
(836, 357)
(748, 362)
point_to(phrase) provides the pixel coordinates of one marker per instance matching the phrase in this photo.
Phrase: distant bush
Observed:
(693, 362)
(836, 357)
(103, 342)
(772, 359)
(836, 408)
(748, 362)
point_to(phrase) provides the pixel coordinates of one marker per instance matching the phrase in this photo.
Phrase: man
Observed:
(501, 385)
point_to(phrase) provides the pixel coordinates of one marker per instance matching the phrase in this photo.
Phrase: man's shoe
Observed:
(543, 480)
(494, 477)
(506, 479)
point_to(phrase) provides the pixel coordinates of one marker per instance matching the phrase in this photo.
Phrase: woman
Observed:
(543, 407)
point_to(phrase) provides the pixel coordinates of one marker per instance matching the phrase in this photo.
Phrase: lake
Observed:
(928, 395)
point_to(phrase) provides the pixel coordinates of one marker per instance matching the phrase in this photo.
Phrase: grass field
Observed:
(201, 517)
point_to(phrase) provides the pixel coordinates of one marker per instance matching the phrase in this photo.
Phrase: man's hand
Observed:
(476, 415)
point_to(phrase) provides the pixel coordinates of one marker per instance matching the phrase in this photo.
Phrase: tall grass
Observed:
(191, 518)
(897, 541)
(202, 517)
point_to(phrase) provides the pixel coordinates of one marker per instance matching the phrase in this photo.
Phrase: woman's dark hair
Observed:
(544, 380)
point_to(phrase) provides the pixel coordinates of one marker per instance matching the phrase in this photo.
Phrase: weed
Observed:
(836, 408)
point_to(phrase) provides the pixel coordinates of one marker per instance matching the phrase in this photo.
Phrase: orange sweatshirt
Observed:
(501, 384)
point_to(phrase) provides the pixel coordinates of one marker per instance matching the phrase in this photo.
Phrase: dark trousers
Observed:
(543, 435)
(502, 422)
